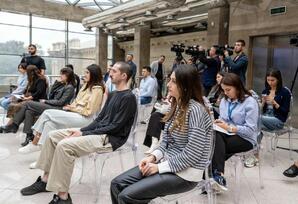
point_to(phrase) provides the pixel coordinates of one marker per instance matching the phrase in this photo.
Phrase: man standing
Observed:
(107, 132)
(133, 68)
(239, 64)
(147, 86)
(34, 59)
(158, 71)
(209, 72)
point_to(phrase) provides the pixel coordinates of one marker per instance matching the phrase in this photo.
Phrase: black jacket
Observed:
(60, 94)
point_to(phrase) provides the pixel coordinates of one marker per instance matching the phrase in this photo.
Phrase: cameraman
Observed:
(238, 65)
(212, 67)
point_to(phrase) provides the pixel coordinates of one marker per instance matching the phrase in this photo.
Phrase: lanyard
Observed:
(231, 107)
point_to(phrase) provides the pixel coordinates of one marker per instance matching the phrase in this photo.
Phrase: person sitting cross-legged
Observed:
(107, 132)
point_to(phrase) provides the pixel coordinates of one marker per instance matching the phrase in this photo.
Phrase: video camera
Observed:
(222, 49)
(178, 49)
(194, 51)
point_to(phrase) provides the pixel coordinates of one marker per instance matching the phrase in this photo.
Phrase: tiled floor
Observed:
(15, 174)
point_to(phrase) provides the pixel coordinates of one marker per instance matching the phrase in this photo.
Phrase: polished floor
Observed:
(15, 174)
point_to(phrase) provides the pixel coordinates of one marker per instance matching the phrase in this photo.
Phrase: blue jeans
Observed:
(4, 102)
(271, 123)
(145, 100)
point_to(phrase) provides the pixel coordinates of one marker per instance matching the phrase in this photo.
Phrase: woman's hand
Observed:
(221, 124)
(149, 169)
(146, 160)
(67, 107)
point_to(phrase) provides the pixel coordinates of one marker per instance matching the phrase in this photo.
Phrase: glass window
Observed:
(54, 65)
(13, 18)
(39, 22)
(9, 64)
(78, 27)
(49, 43)
(80, 65)
(15, 39)
(81, 45)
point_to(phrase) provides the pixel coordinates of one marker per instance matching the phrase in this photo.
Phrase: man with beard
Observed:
(34, 59)
(238, 65)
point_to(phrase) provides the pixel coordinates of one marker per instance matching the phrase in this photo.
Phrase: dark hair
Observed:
(69, 66)
(231, 79)
(241, 41)
(23, 65)
(130, 54)
(125, 68)
(32, 45)
(148, 68)
(189, 87)
(68, 72)
(163, 56)
(33, 74)
(95, 77)
(276, 74)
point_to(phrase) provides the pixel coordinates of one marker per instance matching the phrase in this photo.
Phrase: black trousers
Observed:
(28, 113)
(225, 147)
(133, 188)
(159, 90)
(155, 126)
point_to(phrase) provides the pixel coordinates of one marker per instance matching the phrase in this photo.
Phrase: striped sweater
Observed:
(185, 153)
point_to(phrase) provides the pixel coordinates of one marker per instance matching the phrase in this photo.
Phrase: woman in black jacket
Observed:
(61, 94)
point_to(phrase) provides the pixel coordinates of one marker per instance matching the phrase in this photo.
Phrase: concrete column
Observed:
(118, 53)
(218, 23)
(101, 49)
(141, 47)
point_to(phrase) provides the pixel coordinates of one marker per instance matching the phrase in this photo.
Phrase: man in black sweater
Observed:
(108, 132)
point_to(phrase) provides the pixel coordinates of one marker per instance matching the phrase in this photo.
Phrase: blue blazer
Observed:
(283, 98)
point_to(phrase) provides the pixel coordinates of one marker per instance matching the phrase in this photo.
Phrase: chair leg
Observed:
(121, 162)
(98, 177)
(210, 192)
(290, 145)
(83, 169)
(274, 145)
(238, 169)
(260, 170)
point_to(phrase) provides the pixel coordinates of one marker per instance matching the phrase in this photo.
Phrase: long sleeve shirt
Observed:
(87, 102)
(243, 115)
(115, 119)
(147, 87)
(186, 153)
(21, 85)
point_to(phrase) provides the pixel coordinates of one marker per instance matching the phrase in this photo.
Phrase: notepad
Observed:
(219, 129)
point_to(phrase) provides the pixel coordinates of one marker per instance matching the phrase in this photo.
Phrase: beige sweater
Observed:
(87, 102)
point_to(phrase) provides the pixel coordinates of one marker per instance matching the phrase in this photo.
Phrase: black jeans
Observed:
(225, 147)
(28, 112)
(155, 126)
(133, 188)
(159, 90)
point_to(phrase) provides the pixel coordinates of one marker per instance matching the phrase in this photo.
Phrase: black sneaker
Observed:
(291, 172)
(220, 184)
(58, 200)
(11, 128)
(37, 187)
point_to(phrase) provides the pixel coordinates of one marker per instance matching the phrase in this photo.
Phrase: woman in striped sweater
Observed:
(178, 163)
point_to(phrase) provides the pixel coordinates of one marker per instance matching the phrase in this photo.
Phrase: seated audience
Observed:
(61, 94)
(79, 113)
(216, 94)
(237, 126)
(178, 163)
(276, 101)
(36, 89)
(21, 86)
(147, 86)
(292, 171)
(77, 79)
(107, 132)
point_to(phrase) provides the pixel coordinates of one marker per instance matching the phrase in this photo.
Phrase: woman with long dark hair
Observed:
(236, 128)
(178, 163)
(79, 113)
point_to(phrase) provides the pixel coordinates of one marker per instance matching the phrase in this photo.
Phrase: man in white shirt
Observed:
(147, 86)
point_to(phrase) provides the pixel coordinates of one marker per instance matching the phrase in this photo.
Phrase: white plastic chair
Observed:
(275, 134)
(129, 146)
(202, 185)
(239, 158)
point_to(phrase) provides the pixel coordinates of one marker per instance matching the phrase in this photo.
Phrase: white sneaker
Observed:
(32, 165)
(29, 148)
(153, 146)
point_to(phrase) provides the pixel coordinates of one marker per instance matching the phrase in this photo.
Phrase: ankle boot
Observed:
(11, 128)
(29, 138)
